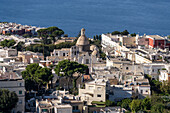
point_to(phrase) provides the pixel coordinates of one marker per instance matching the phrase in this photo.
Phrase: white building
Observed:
(164, 75)
(141, 87)
(153, 69)
(52, 106)
(12, 82)
(94, 91)
(6, 52)
(82, 52)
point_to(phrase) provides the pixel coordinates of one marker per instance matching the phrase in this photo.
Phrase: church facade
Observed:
(82, 52)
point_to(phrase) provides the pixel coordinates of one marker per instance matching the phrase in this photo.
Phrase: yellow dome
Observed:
(82, 40)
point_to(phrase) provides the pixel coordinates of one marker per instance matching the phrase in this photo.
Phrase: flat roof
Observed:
(156, 36)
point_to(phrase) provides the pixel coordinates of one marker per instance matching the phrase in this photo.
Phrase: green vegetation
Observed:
(51, 32)
(26, 35)
(160, 96)
(47, 48)
(68, 68)
(135, 105)
(7, 43)
(65, 35)
(109, 103)
(125, 103)
(133, 34)
(36, 76)
(20, 46)
(102, 55)
(125, 32)
(7, 34)
(97, 41)
(4, 22)
(116, 32)
(146, 103)
(98, 104)
(159, 105)
(8, 100)
(97, 37)
(155, 104)
(158, 108)
(160, 88)
(168, 36)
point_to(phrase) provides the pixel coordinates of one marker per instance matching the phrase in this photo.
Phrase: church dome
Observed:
(82, 40)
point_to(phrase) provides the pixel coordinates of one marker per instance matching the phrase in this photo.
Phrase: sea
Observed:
(96, 16)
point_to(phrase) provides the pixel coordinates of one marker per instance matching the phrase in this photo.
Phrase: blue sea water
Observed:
(96, 16)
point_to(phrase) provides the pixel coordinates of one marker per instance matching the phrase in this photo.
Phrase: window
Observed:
(87, 61)
(127, 68)
(146, 90)
(141, 91)
(90, 87)
(75, 107)
(20, 84)
(152, 70)
(44, 110)
(159, 43)
(75, 53)
(98, 95)
(99, 88)
(20, 92)
(63, 54)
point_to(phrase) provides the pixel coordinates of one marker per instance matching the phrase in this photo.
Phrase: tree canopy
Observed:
(116, 32)
(7, 43)
(133, 34)
(135, 105)
(50, 32)
(68, 68)
(146, 103)
(20, 46)
(109, 103)
(125, 103)
(8, 100)
(125, 32)
(35, 76)
(48, 48)
(158, 108)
